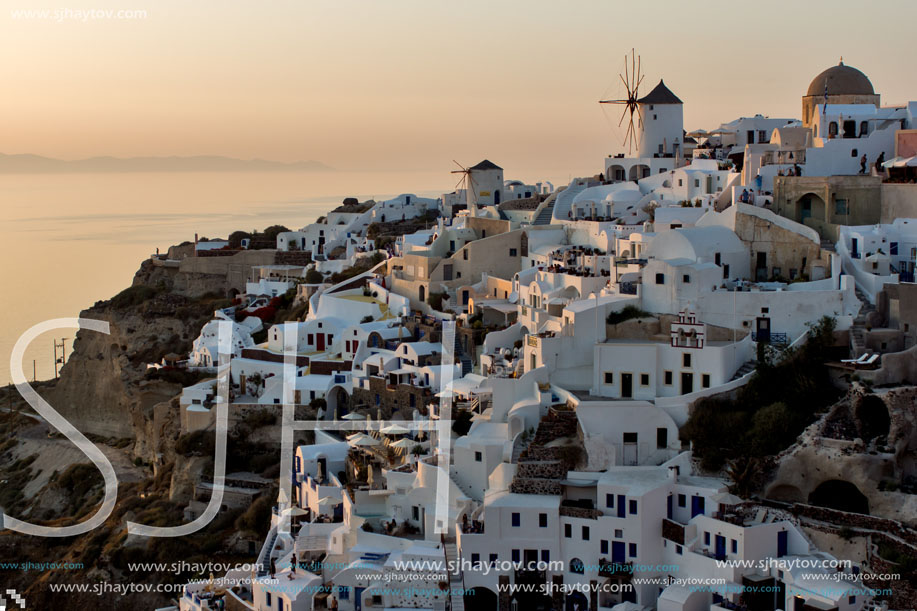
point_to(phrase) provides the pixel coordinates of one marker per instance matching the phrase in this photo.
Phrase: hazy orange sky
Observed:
(415, 83)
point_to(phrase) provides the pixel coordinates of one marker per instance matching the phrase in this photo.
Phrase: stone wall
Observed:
(391, 398)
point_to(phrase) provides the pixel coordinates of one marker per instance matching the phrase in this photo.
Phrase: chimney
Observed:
(674, 470)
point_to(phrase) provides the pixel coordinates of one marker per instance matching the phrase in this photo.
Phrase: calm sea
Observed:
(69, 240)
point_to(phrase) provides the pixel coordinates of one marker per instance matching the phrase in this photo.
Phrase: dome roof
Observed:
(841, 80)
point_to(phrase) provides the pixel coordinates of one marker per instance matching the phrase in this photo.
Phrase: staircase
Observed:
(744, 370)
(563, 203)
(858, 330)
(456, 580)
(544, 217)
(461, 357)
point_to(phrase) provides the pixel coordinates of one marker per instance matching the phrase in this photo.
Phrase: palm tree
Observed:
(743, 473)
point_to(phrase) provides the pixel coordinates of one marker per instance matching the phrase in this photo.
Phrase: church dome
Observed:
(841, 80)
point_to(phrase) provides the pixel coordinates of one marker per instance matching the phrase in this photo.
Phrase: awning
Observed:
(901, 162)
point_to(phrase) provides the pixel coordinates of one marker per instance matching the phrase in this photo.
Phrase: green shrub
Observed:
(626, 313)
(132, 296)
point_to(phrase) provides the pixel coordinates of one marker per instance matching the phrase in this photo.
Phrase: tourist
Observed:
(863, 164)
(293, 563)
(879, 162)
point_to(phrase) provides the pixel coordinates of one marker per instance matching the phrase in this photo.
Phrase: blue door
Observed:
(720, 547)
(358, 599)
(668, 509)
(617, 552)
(621, 506)
(697, 505)
(781, 543)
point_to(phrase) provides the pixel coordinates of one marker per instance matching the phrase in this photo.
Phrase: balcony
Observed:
(527, 576)
(673, 531)
(615, 569)
(778, 339)
(582, 508)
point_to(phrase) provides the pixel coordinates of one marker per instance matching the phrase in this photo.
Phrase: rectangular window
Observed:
(735, 546)
(840, 206)
(465, 254)
(662, 438)
(682, 500)
(632, 507)
(619, 533)
(706, 538)
(609, 377)
(660, 278)
(705, 380)
(644, 379)
(585, 533)
(546, 555)
(630, 438)
(678, 550)
(604, 546)
(632, 550)
(268, 598)
(515, 555)
(517, 519)
(475, 560)
(610, 501)
(686, 359)
(668, 378)
(696, 182)
(478, 457)
(493, 559)
(686, 279)
(893, 248)
(543, 520)
(568, 531)
(512, 252)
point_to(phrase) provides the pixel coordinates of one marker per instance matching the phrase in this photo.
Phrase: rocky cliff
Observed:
(104, 387)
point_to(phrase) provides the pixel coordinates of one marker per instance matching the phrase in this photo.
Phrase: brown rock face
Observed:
(103, 388)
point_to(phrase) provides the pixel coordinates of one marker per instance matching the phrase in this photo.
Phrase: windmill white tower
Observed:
(661, 129)
(655, 121)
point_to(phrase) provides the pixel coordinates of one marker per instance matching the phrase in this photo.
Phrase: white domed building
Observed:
(840, 84)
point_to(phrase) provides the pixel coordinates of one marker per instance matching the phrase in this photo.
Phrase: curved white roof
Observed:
(695, 243)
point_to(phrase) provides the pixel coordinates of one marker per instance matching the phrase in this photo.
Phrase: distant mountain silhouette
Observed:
(25, 164)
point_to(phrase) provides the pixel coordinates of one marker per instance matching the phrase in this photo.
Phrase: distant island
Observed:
(28, 164)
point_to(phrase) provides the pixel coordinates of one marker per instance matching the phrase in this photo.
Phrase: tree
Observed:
(743, 472)
(271, 232)
(236, 237)
(313, 276)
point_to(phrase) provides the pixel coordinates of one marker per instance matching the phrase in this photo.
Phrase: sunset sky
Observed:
(376, 85)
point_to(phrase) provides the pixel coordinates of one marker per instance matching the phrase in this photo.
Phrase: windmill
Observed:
(632, 78)
(467, 182)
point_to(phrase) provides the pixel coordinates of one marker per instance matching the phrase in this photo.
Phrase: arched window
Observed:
(832, 129)
(576, 566)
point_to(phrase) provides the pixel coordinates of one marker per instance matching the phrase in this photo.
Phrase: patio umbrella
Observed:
(404, 444)
(394, 429)
(294, 512)
(363, 441)
(353, 416)
(327, 503)
(725, 498)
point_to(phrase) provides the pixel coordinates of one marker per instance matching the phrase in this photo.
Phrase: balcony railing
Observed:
(673, 531)
(533, 576)
(779, 339)
(615, 569)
